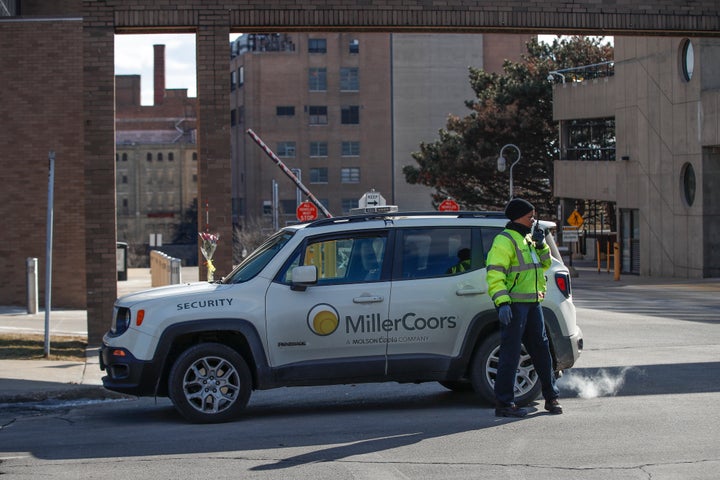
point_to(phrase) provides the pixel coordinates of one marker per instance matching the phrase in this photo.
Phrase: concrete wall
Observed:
(430, 81)
(663, 123)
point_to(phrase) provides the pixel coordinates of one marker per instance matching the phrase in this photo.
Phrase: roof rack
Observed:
(381, 216)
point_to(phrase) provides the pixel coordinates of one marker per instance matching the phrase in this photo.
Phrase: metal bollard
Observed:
(616, 252)
(32, 285)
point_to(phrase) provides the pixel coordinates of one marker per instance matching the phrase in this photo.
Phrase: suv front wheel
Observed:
(484, 369)
(210, 383)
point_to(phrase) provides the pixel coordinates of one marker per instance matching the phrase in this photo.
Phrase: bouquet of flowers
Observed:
(208, 246)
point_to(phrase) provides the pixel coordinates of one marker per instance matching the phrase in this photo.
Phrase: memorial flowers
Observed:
(207, 247)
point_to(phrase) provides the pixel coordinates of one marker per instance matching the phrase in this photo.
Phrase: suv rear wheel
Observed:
(210, 383)
(484, 369)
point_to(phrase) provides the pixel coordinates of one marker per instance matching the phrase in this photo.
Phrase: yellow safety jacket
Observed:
(515, 269)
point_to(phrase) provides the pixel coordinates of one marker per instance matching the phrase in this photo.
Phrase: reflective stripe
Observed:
(545, 256)
(523, 265)
(522, 268)
(500, 293)
(497, 268)
(524, 296)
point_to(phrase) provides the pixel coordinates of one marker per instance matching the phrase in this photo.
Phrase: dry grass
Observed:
(32, 347)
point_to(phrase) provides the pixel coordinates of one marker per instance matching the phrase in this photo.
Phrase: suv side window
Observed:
(342, 259)
(488, 235)
(432, 252)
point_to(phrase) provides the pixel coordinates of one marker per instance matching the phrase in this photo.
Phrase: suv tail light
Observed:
(562, 280)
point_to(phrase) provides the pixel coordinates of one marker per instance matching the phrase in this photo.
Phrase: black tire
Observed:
(210, 383)
(484, 369)
(458, 386)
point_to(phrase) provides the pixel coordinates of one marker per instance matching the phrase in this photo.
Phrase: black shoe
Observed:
(553, 406)
(510, 411)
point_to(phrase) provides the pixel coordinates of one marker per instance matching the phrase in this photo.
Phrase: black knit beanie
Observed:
(517, 207)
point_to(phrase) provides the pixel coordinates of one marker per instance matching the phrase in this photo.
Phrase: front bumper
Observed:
(125, 373)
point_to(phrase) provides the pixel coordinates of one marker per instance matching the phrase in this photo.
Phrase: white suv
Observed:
(364, 298)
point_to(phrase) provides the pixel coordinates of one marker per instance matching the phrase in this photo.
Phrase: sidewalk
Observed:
(40, 380)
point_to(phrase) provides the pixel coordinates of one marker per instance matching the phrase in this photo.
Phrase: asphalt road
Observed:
(641, 404)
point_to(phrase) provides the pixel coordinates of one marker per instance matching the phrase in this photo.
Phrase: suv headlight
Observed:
(121, 321)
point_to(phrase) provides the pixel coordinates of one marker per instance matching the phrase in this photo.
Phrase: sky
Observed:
(134, 56)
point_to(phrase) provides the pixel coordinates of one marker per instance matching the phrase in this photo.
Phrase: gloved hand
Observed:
(538, 237)
(505, 314)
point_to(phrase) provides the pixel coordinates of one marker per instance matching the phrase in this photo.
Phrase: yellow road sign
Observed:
(575, 219)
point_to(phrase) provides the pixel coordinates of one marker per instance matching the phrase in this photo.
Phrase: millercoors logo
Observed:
(323, 319)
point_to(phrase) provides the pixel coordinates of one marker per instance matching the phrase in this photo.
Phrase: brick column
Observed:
(99, 166)
(214, 158)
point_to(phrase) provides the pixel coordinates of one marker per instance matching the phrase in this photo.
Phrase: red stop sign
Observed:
(449, 205)
(307, 211)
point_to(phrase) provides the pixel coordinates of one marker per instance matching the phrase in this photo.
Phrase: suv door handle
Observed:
(469, 291)
(368, 299)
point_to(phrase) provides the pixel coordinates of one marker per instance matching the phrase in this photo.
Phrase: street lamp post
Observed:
(502, 164)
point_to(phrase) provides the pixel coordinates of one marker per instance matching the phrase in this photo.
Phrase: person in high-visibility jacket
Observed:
(516, 265)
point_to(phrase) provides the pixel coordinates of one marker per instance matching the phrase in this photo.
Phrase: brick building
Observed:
(347, 110)
(155, 156)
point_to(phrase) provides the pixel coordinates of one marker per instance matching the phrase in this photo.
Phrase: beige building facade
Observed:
(664, 175)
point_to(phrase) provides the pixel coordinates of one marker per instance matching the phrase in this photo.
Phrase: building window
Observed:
(149, 157)
(318, 149)
(317, 45)
(350, 175)
(350, 115)
(233, 80)
(194, 156)
(124, 179)
(688, 184)
(354, 46)
(318, 114)
(687, 59)
(348, 204)
(286, 149)
(241, 76)
(288, 207)
(233, 117)
(591, 139)
(319, 175)
(349, 79)
(317, 79)
(285, 111)
(350, 149)
(160, 157)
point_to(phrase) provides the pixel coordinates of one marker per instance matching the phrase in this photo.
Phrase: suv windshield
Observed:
(257, 260)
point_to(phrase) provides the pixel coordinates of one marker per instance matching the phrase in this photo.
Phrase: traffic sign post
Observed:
(575, 219)
(449, 205)
(371, 199)
(307, 212)
(570, 234)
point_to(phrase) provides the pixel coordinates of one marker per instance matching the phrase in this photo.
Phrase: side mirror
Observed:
(304, 276)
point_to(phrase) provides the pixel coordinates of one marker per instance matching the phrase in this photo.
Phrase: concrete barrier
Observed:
(164, 270)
